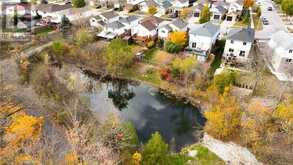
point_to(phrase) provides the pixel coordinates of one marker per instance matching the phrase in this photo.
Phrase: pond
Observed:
(150, 110)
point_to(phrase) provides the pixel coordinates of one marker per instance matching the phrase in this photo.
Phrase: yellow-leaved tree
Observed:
(257, 126)
(23, 127)
(21, 131)
(284, 116)
(152, 10)
(223, 120)
(178, 38)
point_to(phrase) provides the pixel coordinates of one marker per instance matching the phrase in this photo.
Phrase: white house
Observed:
(236, 6)
(202, 39)
(109, 16)
(51, 12)
(178, 25)
(163, 7)
(196, 12)
(144, 6)
(117, 28)
(179, 4)
(147, 27)
(134, 2)
(238, 44)
(234, 12)
(130, 21)
(164, 29)
(167, 27)
(281, 59)
(218, 12)
(97, 22)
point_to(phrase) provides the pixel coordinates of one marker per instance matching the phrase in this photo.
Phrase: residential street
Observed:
(275, 22)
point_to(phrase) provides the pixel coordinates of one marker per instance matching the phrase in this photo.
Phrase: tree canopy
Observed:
(224, 80)
(118, 56)
(82, 37)
(287, 6)
(205, 14)
(178, 38)
(223, 120)
(152, 10)
(78, 3)
(155, 151)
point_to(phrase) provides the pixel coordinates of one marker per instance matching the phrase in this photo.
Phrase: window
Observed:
(242, 53)
(231, 50)
(196, 14)
(194, 44)
(288, 60)
(232, 41)
(290, 51)
(216, 17)
(229, 18)
(244, 43)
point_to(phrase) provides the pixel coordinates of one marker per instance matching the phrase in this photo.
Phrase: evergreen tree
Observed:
(65, 23)
(155, 151)
(78, 3)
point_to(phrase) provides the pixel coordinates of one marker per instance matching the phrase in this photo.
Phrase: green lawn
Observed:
(203, 156)
(151, 76)
(150, 54)
(44, 30)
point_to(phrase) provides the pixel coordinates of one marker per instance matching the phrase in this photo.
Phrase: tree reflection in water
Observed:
(120, 94)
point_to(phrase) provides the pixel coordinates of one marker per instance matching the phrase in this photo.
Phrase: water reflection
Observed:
(149, 110)
(120, 94)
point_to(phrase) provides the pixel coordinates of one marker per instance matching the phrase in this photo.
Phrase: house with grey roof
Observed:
(50, 11)
(202, 39)
(196, 12)
(162, 6)
(167, 27)
(279, 55)
(238, 45)
(109, 16)
(112, 30)
(119, 27)
(97, 22)
(218, 13)
(130, 21)
(179, 25)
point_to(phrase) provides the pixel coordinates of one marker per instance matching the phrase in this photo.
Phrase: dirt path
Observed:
(230, 152)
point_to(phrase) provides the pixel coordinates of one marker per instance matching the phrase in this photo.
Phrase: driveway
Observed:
(275, 21)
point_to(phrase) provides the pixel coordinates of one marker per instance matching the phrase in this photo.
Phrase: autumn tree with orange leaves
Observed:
(248, 3)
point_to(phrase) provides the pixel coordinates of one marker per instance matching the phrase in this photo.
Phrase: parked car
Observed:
(265, 21)
(270, 8)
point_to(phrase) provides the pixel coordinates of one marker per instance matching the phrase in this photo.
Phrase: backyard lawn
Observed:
(203, 156)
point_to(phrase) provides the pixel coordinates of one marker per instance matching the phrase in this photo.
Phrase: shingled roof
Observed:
(115, 25)
(243, 34)
(149, 25)
(109, 14)
(208, 29)
(49, 8)
(179, 23)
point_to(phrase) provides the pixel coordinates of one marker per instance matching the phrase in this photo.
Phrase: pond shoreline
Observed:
(167, 91)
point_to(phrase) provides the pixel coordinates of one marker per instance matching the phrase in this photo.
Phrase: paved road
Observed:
(275, 22)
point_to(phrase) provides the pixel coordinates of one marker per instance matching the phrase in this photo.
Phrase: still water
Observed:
(150, 110)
